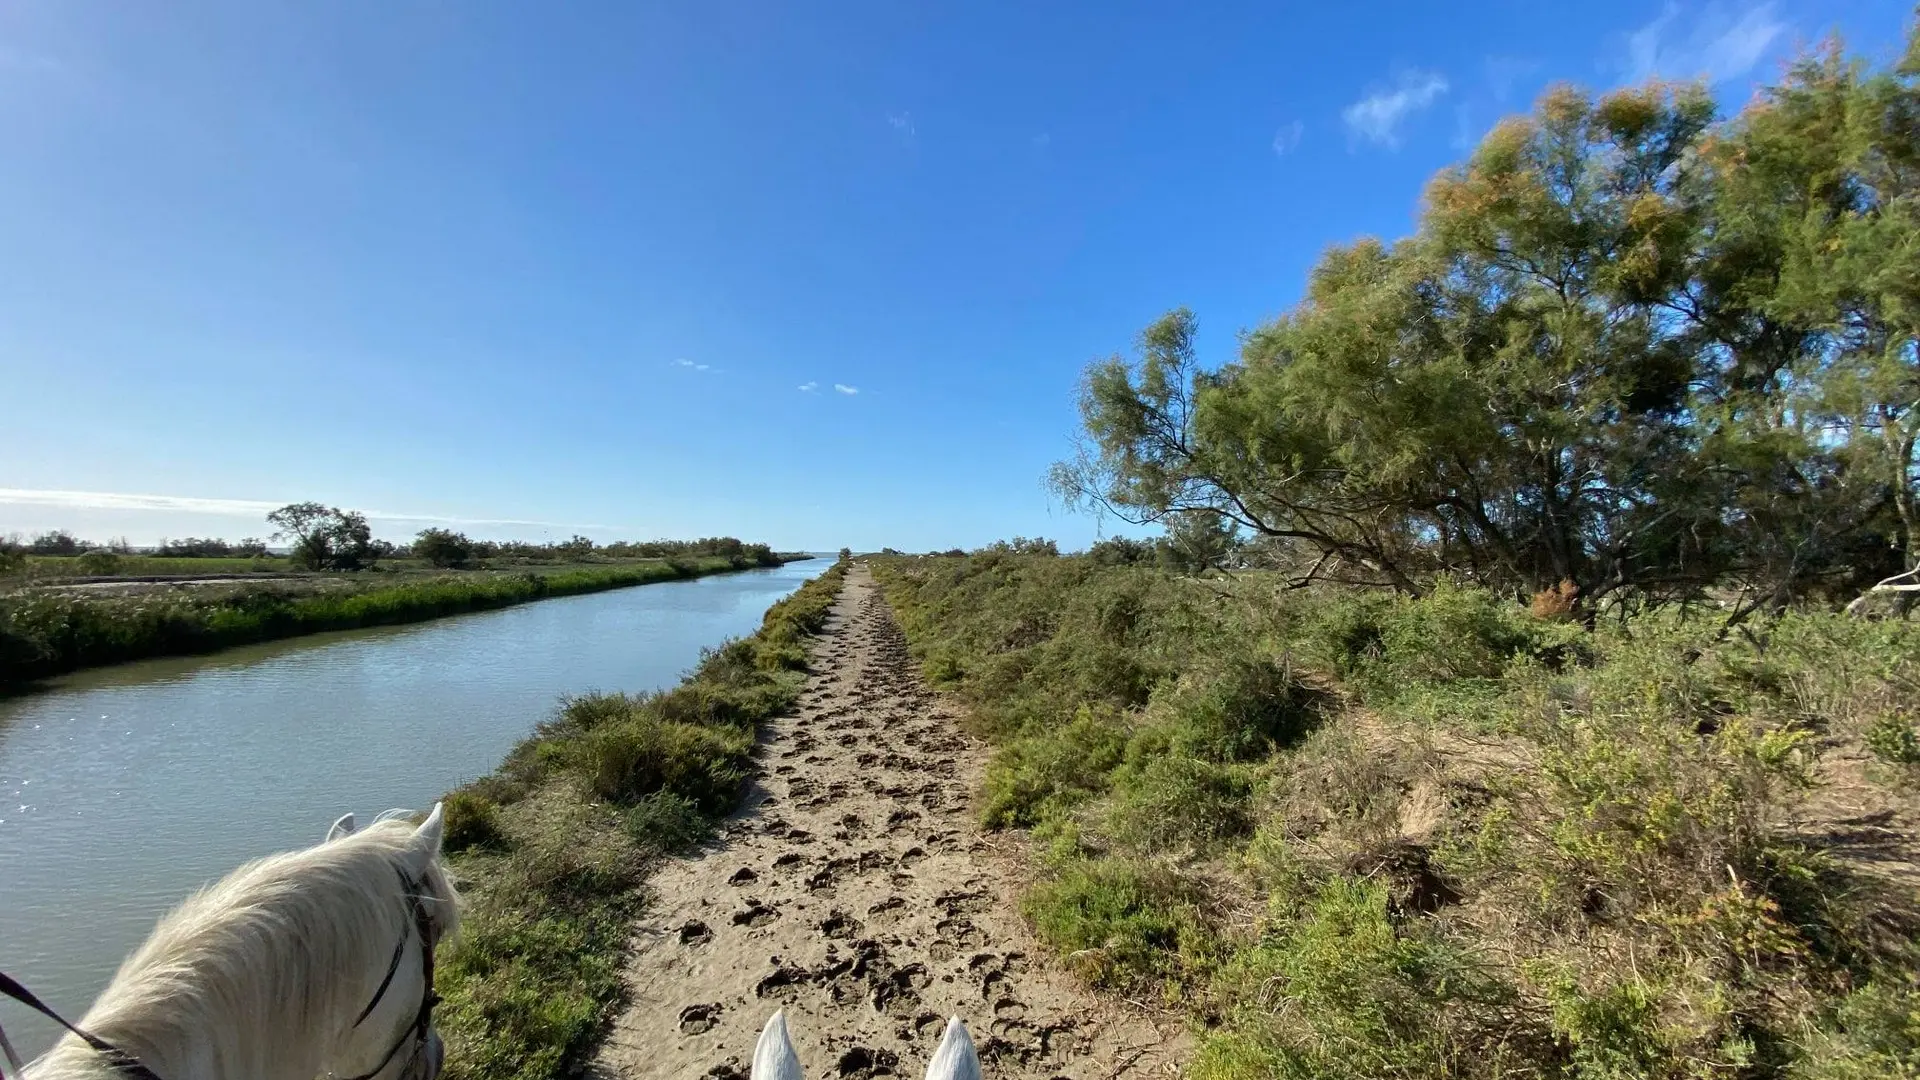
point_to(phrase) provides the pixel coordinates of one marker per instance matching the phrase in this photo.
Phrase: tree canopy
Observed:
(1628, 346)
(325, 537)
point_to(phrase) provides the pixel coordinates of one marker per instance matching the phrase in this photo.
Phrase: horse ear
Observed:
(773, 1056)
(956, 1058)
(343, 827)
(427, 837)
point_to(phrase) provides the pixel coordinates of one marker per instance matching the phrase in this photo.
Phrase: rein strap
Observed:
(116, 1057)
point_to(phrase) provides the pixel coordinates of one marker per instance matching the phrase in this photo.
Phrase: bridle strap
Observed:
(423, 1020)
(116, 1057)
(393, 966)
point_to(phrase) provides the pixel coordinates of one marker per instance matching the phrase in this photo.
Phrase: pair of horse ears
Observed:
(774, 1059)
(427, 837)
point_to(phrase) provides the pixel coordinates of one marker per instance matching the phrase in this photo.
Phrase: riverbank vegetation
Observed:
(1368, 835)
(328, 539)
(47, 631)
(1488, 709)
(553, 849)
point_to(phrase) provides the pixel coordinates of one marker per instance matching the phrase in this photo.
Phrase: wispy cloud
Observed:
(1042, 141)
(809, 387)
(686, 363)
(1714, 43)
(1503, 72)
(1377, 117)
(845, 389)
(1288, 137)
(902, 124)
(190, 504)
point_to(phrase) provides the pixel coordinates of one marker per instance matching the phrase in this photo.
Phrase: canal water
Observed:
(124, 789)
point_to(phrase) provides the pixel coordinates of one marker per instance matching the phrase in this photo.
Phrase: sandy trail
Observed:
(856, 892)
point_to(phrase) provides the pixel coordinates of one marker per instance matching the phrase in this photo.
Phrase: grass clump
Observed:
(1343, 989)
(1122, 924)
(557, 843)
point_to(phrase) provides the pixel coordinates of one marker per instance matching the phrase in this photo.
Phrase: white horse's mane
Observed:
(261, 974)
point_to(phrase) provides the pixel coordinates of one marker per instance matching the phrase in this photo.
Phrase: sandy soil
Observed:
(855, 892)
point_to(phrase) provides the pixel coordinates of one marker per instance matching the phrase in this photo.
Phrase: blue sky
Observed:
(817, 274)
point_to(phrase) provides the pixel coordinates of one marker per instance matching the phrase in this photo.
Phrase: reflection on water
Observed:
(124, 789)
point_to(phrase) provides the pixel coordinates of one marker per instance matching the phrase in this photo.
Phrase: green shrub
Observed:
(1874, 1034)
(1237, 711)
(99, 563)
(1453, 632)
(1614, 1031)
(1893, 740)
(1342, 992)
(1030, 778)
(1120, 923)
(1178, 801)
(472, 821)
(667, 823)
(628, 759)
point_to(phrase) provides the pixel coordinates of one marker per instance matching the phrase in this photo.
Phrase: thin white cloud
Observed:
(1288, 137)
(1503, 72)
(1715, 43)
(1377, 117)
(901, 122)
(809, 387)
(191, 504)
(686, 363)
(845, 389)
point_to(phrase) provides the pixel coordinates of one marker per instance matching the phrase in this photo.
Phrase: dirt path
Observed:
(856, 893)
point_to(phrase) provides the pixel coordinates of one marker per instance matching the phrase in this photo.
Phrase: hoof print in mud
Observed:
(755, 914)
(695, 932)
(699, 1019)
(861, 1063)
(743, 876)
(839, 924)
(783, 984)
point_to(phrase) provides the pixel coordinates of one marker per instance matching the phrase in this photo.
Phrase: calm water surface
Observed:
(123, 790)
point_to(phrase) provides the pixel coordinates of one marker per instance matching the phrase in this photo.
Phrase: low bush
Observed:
(1031, 778)
(1344, 990)
(1121, 924)
(1174, 801)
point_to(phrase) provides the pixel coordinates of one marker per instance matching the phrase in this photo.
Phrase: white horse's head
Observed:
(774, 1057)
(316, 962)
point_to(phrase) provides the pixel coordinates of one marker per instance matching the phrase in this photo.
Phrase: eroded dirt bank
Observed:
(856, 892)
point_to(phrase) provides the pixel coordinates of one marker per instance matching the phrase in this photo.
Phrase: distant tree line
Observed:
(1631, 351)
(321, 537)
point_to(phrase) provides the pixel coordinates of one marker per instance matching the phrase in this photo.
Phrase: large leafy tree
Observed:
(325, 537)
(1626, 348)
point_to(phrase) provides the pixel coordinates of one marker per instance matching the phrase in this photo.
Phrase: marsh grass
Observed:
(555, 846)
(1364, 835)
